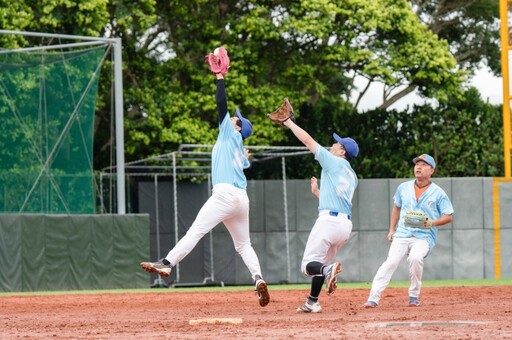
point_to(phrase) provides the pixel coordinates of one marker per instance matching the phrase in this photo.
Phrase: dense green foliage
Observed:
(308, 51)
(463, 135)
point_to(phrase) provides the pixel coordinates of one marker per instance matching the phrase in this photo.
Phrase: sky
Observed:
(490, 87)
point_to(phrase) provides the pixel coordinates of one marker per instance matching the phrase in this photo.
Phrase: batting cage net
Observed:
(47, 104)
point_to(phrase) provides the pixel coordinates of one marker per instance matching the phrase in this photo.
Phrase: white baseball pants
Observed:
(417, 249)
(229, 205)
(328, 235)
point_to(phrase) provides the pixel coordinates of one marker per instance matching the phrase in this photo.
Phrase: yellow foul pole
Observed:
(505, 16)
(505, 6)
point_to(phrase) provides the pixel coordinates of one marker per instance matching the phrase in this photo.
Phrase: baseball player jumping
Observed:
(333, 226)
(229, 202)
(420, 206)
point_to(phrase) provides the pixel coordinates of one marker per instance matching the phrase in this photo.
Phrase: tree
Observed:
(470, 27)
(464, 135)
(308, 51)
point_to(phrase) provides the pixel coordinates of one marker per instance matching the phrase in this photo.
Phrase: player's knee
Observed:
(314, 268)
(390, 266)
(415, 258)
(303, 269)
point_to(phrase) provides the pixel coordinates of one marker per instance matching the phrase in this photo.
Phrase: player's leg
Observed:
(319, 252)
(214, 211)
(210, 215)
(312, 305)
(397, 251)
(237, 225)
(319, 246)
(327, 236)
(419, 250)
(312, 266)
(340, 229)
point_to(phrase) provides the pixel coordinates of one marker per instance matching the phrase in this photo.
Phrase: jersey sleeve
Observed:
(445, 205)
(397, 198)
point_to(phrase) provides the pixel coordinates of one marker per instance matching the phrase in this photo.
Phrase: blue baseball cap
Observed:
(349, 144)
(427, 159)
(246, 125)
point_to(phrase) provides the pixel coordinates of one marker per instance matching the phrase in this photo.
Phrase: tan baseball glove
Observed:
(414, 219)
(282, 114)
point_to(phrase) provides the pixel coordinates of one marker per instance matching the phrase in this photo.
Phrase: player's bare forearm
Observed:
(445, 219)
(301, 135)
(393, 221)
(395, 216)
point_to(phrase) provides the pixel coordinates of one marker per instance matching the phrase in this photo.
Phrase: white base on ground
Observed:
(235, 321)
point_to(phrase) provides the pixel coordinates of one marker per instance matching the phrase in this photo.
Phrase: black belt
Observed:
(335, 213)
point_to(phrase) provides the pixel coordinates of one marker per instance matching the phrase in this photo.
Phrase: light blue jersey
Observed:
(338, 181)
(228, 156)
(434, 202)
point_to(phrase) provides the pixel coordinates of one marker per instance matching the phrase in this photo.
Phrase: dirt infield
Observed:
(445, 313)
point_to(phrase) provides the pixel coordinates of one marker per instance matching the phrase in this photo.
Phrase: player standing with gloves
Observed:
(229, 202)
(420, 206)
(332, 229)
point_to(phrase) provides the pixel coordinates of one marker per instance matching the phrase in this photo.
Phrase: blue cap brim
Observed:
(349, 144)
(246, 124)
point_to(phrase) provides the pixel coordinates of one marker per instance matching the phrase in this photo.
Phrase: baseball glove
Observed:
(282, 114)
(414, 219)
(219, 61)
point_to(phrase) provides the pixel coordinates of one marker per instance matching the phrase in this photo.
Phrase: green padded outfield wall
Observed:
(72, 252)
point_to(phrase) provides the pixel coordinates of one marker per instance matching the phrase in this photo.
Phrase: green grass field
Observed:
(341, 285)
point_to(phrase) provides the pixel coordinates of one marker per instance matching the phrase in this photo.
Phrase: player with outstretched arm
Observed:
(229, 202)
(332, 228)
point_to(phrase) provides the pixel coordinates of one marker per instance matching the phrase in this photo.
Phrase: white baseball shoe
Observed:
(156, 267)
(307, 308)
(370, 304)
(331, 278)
